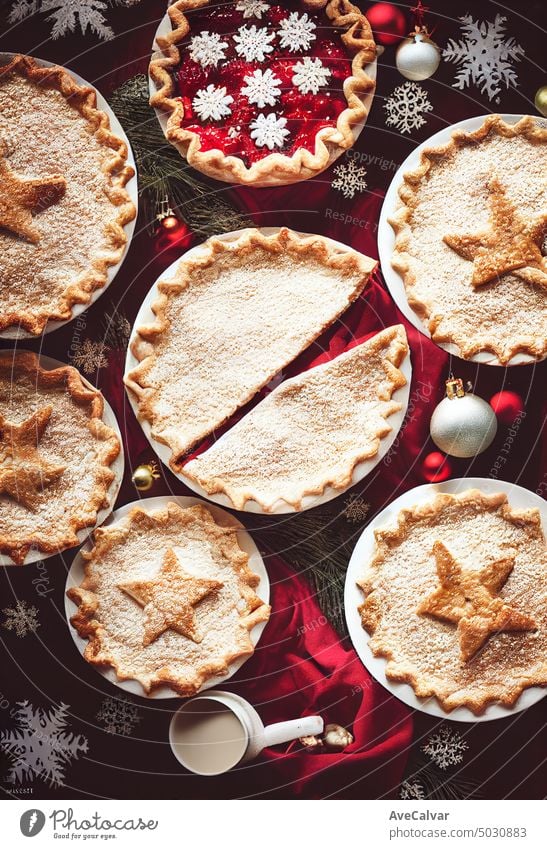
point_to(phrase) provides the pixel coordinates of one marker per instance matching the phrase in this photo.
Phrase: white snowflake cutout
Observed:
(485, 56)
(411, 790)
(262, 88)
(297, 32)
(405, 107)
(356, 509)
(207, 49)
(269, 131)
(252, 8)
(90, 356)
(350, 178)
(310, 75)
(119, 716)
(23, 618)
(253, 43)
(212, 103)
(445, 748)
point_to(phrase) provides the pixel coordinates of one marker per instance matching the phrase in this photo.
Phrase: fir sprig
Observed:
(164, 173)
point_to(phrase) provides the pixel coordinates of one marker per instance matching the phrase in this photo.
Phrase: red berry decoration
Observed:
(388, 23)
(436, 467)
(507, 406)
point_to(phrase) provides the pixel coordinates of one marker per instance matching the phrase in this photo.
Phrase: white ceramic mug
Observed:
(213, 732)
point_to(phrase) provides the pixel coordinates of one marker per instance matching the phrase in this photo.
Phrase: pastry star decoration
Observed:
(24, 474)
(20, 197)
(169, 598)
(468, 597)
(510, 242)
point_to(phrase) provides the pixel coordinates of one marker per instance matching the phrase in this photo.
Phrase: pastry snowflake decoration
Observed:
(310, 75)
(253, 44)
(207, 49)
(262, 88)
(297, 32)
(269, 131)
(212, 103)
(252, 8)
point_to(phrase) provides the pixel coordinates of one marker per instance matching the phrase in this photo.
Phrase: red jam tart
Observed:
(263, 94)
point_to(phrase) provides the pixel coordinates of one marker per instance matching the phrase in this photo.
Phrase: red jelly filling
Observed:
(305, 114)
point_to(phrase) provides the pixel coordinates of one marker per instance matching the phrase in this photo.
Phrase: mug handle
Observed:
(282, 732)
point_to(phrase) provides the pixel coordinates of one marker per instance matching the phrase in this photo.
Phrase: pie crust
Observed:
(56, 454)
(311, 431)
(236, 313)
(455, 600)
(156, 631)
(469, 235)
(277, 167)
(57, 250)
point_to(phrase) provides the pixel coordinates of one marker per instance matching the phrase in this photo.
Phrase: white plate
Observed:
(165, 28)
(117, 467)
(353, 596)
(146, 316)
(131, 188)
(246, 542)
(386, 240)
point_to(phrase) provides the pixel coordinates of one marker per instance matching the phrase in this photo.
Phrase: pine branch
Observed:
(164, 173)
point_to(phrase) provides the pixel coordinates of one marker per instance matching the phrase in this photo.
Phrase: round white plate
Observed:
(386, 239)
(165, 28)
(146, 316)
(131, 188)
(117, 467)
(353, 596)
(246, 542)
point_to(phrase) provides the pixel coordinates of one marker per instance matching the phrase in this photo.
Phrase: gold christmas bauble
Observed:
(144, 476)
(540, 100)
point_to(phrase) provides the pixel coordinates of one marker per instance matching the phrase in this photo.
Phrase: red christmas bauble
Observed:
(507, 406)
(436, 467)
(388, 22)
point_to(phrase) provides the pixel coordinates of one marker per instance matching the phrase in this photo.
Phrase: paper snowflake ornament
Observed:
(207, 49)
(23, 619)
(253, 44)
(269, 131)
(445, 748)
(41, 746)
(212, 103)
(252, 8)
(69, 16)
(356, 509)
(118, 716)
(486, 57)
(350, 178)
(310, 75)
(411, 790)
(89, 356)
(262, 88)
(405, 107)
(296, 32)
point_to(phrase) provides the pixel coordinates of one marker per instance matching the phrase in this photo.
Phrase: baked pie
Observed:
(168, 598)
(56, 456)
(455, 600)
(235, 314)
(470, 239)
(311, 431)
(63, 204)
(263, 93)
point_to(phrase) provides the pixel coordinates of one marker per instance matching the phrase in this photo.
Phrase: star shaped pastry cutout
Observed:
(169, 599)
(510, 242)
(24, 473)
(20, 197)
(469, 599)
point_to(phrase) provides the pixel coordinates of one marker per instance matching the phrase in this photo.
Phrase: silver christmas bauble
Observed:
(463, 425)
(417, 57)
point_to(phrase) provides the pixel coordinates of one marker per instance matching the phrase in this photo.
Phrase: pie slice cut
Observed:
(455, 600)
(56, 456)
(168, 598)
(310, 432)
(235, 315)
